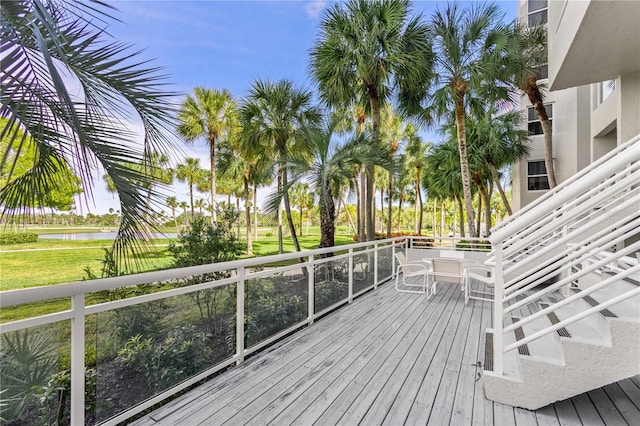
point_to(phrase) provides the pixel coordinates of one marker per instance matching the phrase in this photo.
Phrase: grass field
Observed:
(51, 261)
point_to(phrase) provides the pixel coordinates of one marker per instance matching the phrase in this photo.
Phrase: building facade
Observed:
(593, 87)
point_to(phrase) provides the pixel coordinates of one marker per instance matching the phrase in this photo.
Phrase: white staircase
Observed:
(567, 291)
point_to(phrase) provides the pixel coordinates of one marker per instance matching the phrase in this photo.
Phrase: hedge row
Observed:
(6, 239)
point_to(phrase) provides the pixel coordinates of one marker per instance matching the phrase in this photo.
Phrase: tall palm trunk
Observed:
(247, 207)
(434, 219)
(327, 218)
(175, 220)
(503, 196)
(479, 216)
(255, 212)
(535, 97)
(212, 154)
(280, 236)
(464, 162)
(191, 200)
(460, 215)
(443, 218)
(374, 101)
(420, 209)
(362, 230)
(400, 200)
(389, 212)
(287, 205)
(484, 201)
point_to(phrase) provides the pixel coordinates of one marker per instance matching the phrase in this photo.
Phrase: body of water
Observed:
(98, 236)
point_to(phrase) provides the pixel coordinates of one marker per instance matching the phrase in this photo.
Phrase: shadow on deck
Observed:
(388, 358)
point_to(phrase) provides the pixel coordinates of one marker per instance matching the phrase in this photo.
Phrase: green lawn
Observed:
(51, 261)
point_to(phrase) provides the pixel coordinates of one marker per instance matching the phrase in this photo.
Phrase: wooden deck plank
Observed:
(340, 399)
(433, 376)
(329, 389)
(237, 401)
(355, 356)
(631, 391)
(412, 377)
(625, 407)
(566, 412)
(382, 389)
(586, 411)
(387, 358)
(547, 416)
(609, 413)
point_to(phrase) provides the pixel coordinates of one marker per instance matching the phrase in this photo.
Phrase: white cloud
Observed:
(314, 8)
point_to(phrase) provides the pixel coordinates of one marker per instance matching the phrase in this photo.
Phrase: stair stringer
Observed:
(586, 366)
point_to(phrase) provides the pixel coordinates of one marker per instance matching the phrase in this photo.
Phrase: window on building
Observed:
(537, 12)
(537, 179)
(534, 125)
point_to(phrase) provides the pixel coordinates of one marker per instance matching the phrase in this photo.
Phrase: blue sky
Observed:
(226, 45)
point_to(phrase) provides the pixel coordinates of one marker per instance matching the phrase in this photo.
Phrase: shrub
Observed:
(184, 352)
(7, 239)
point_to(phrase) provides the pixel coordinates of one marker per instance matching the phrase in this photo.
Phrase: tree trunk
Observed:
(362, 230)
(419, 194)
(434, 219)
(255, 212)
(346, 209)
(212, 154)
(327, 218)
(375, 135)
(464, 162)
(400, 200)
(478, 217)
(287, 209)
(175, 220)
(280, 236)
(503, 196)
(389, 212)
(443, 219)
(191, 199)
(247, 208)
(460, 215)
(484, 202)
(535, 97)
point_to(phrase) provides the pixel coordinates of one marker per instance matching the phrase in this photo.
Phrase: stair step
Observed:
(629, 280)
(562, 332)
(627, 309)
(488, 351)
(593, 329)
(519, 332)
(591, 301)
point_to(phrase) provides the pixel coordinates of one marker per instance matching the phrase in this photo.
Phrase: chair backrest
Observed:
(401, 259)
(452, 254)
(447, 270)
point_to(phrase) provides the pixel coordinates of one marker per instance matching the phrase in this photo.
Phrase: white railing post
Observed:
(240, 316)
(350, 275)
(375, 265)
(498, 333)
(77, 359)
(311, 290)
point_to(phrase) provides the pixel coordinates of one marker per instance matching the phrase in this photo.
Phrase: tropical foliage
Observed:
(51, 51)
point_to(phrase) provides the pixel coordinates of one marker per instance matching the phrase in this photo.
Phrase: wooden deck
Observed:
(388, 358)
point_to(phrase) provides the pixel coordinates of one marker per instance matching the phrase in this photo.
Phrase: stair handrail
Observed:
(557, 212)
(570, 181)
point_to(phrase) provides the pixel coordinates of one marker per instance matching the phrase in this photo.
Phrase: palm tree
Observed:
(211, 114)
(527, 54)
(172, 203)
(501, 142)
(44, 42)
(184, 206)
(330, 165)
(301, 197)
(366, 53)
(416, 153)
(469, 47)
(272, 116)
(190, 172)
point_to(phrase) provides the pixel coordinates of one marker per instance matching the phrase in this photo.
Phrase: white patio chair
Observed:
(483, 275)
(412, 270)
(448, 270)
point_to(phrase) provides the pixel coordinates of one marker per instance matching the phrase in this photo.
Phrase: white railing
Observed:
(328, 277)
(585, 225)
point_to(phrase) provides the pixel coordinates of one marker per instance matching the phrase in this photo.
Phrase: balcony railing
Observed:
(127, 343)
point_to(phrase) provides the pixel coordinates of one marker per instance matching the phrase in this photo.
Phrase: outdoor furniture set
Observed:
(448, 267)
